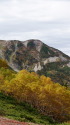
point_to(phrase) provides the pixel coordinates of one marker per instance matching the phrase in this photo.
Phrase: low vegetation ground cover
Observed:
(10, 108)
(47, 102)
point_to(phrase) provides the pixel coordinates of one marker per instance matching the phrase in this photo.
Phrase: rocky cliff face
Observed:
(31, 54)
(34, 55)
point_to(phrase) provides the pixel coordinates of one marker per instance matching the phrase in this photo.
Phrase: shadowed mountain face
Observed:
(34, 55)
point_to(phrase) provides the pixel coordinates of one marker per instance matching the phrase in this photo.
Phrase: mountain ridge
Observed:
(36, 50)
(34, 55)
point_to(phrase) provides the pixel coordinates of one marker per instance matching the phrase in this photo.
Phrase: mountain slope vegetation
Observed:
(10, 108)
(57, 73)
(34, 55)
(49, 98)
(44, 93)
(37, 98)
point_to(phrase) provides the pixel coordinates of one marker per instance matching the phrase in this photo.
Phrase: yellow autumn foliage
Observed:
(48, 97)
(3, 63)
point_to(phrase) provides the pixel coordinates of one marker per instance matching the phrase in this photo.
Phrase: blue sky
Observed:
(47, 20)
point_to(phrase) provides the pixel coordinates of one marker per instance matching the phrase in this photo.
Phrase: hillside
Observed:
(49, 98)
(11, 110)
(28, 97)
(34, 55)
(57, 72)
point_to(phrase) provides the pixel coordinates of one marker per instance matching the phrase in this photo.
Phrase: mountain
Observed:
(34, 55)
(37, 98)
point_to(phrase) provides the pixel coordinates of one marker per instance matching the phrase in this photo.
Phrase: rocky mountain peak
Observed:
(31, 54)
(33, 44)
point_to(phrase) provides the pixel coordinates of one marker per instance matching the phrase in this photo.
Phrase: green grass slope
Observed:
(20, 111)
(10, 108)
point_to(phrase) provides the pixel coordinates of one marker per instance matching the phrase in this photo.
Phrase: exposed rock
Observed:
(37, 67)
(34, 55)
(51, 59)
(68, 64)
(31, 54)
